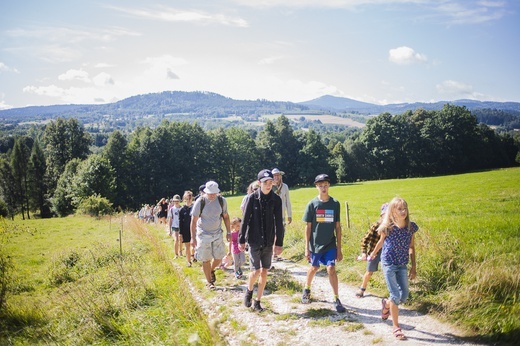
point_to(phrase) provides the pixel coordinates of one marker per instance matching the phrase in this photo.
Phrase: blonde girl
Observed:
(397, 241)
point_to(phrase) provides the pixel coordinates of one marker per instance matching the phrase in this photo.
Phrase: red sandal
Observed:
(385, 312)
(398, 333)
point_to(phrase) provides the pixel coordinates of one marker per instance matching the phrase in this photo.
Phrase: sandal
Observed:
(213, 277)
(210, 286)
(361, 292)
(385, 312)
(398, 333)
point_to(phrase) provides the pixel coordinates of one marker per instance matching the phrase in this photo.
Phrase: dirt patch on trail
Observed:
(288, 322)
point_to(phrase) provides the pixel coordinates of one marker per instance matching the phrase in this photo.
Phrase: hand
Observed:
(413, 273)
(289, 220)
(308, 255)
(278, 250)
(362, 257)
(339, 255)
(193, 242)
(228, 236)
(242, 247)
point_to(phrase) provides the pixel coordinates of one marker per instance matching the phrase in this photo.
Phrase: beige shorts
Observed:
(210, 245)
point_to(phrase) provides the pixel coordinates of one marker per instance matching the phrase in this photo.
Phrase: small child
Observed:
(367, 245)
(239, 257)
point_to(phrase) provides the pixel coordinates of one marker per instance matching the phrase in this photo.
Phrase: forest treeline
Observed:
(54, 169)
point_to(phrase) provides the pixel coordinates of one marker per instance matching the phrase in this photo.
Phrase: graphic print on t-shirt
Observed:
(324, 215)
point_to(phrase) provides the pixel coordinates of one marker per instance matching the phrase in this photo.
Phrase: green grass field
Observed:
(66, 282)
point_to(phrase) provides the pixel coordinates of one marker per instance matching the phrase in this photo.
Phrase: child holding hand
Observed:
(397, 241)
(239, 257)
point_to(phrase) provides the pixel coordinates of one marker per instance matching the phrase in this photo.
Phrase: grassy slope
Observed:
(467, 245)
(68, 273)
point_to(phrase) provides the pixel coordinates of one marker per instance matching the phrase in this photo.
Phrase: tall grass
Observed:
(79, 289)
(467, 246)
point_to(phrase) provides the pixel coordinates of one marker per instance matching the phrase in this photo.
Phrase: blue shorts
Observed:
(396, 277)
(327, 258)
(373, 264)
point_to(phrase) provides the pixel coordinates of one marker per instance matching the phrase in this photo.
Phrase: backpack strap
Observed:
(220, 201)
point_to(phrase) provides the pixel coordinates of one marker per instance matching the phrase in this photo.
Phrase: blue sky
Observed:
(378, 51)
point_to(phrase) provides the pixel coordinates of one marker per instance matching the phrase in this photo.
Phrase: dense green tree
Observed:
(314, 158)
(61, 200)
(286, 146)
(94, 176)
(8, 187)
(65, 139)
(39, 181)
(116, 151)
(20, 166)
(243, 164)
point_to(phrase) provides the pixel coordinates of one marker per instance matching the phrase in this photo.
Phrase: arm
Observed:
(193, 229)
(413, 269)
(308, 229)
(339, 255)
(288, 207)
(228, 226)
(230, 247)
(378, 247)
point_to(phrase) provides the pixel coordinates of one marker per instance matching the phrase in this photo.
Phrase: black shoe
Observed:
(247, 298)
(306, 296)
(258, 307)
(339, 306)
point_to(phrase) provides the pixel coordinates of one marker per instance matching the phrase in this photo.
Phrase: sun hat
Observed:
(176, 198)
(211, 187)
(264, 175)
(384, 207)
(321, 177)
(277, 171)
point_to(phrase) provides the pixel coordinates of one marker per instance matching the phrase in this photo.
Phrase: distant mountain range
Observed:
(211, 105)
(342, 104)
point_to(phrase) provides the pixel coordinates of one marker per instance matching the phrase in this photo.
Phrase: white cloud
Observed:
(405, 55)
(471, 13)
(5, 68)
(269, 60)
(75, 75)
(169, 14)
(458, 89)
(103, 65)
(103, 79)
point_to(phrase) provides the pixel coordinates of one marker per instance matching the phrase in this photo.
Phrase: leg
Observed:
(310, 275)
(333, 279)
(206, 268)
(261, 283)
(187, 247)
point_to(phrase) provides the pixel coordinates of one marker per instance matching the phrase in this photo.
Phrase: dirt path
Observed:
(288, 322)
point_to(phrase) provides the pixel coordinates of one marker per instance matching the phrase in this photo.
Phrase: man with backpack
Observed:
(206, 230)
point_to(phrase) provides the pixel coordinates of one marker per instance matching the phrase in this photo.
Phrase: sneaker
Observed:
(339, 306)
(258, 307)
(240, 271)
(247, 298)
(306, 297)
(238, 275)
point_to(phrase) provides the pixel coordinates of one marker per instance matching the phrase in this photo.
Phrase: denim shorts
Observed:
(260, 256)
(210, 245)
(396, 277)
(327, 258)
(373, 264)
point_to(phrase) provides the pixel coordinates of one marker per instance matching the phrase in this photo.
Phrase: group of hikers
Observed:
(266, 210)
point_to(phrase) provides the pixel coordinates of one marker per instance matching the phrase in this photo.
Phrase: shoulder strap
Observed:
(220, 201)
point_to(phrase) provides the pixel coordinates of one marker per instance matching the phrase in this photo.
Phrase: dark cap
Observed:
(202, 187)
(265, 174)
(321, 177)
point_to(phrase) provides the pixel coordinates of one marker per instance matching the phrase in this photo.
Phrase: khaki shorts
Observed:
(210, 245)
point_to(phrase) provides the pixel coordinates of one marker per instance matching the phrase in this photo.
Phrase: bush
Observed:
(95, 205)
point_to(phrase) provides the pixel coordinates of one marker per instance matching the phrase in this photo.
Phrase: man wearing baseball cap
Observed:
(262, 227)
(323, 238)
